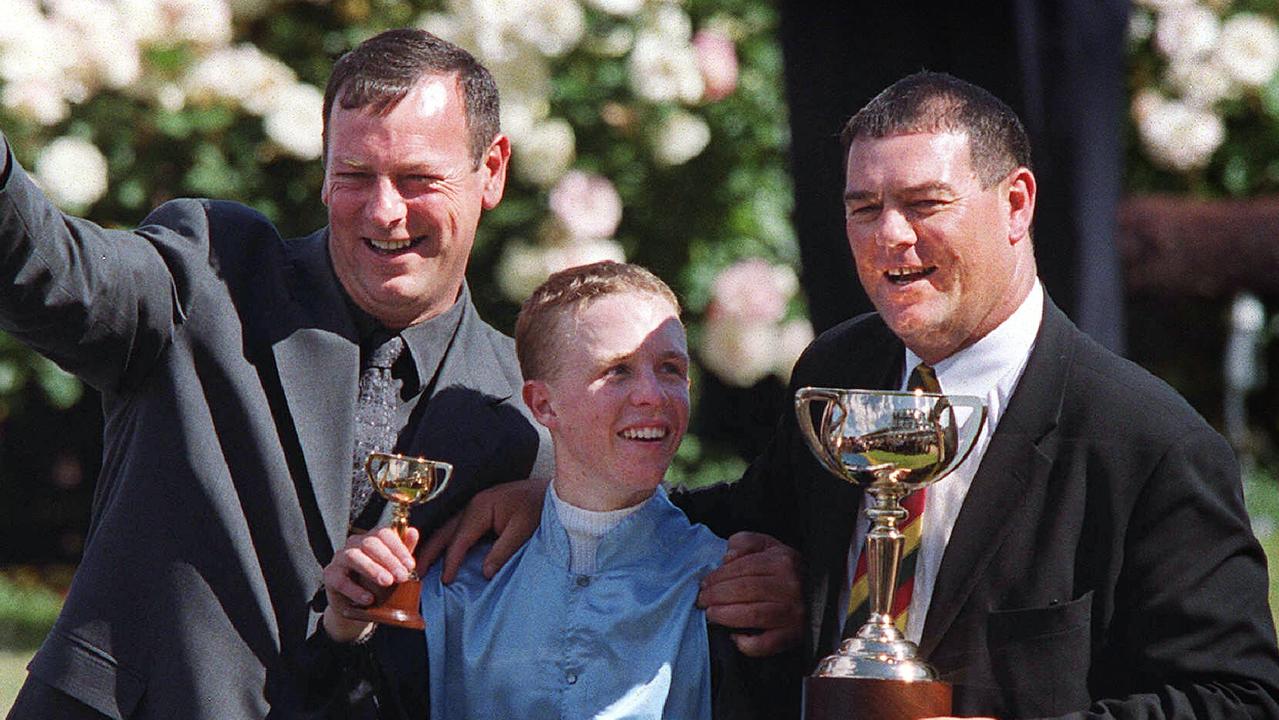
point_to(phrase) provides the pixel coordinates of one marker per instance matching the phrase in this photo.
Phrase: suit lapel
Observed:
(316, 350)
(1018, 456)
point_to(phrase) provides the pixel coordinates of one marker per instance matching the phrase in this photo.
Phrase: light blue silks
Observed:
(540, 642)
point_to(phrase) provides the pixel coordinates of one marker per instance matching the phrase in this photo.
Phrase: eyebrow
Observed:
(920, 189)
(621, 357)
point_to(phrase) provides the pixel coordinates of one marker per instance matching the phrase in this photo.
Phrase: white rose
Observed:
(738, 352)
(46, 51)
(518, 120)
(545, 153)
(1179, 137)
(40, 100)
(521, 269)
(242, 74)
(107, 50)
(664, 70)
(206, 23)
(1249, 49)
(615, 44)
(620, 8)
(669, 20)
(1200, 82)
(1145, 102)
(170, 97)
(145, 18)
(524, 81)
(681, 137)
(492, 25)
(294, 121)
(552, 26)
(1186, 32)
(72, 172)
(444, 25)
(21, 19)
(587, 204)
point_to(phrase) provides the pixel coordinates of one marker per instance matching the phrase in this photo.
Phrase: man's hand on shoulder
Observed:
(759, 587)
(378, 558)
(512, 511)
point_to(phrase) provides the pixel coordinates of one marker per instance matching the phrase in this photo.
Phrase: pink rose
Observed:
(753, 291)
(717, 59)
(587, 204)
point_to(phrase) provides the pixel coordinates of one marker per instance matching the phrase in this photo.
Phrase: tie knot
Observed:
(385, 352)
(924, 378)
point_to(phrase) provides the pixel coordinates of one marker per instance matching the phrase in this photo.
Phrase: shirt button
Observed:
(583, 581)
(571, 678)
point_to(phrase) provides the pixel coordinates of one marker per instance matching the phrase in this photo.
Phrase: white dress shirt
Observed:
(988, 369)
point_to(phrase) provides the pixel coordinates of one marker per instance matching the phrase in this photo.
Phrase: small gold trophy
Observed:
(404, 482)
(889, 444)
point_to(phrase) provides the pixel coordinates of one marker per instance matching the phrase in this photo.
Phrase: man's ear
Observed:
(1021, 204)
(537, 397)
(493, 165)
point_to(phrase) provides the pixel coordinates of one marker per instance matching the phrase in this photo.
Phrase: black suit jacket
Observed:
(228, 364)
(1102, 564)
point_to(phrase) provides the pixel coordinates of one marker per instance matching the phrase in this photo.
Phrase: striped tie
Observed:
(921, 378)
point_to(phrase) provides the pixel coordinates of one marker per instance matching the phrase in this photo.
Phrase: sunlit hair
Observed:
(930, 102)
(538, 334)
(380, 71)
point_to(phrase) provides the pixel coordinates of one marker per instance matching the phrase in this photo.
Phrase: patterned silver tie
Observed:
(375, 429)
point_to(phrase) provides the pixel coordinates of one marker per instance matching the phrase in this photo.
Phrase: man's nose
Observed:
(647, 389)
(895, 229)
(386, 206)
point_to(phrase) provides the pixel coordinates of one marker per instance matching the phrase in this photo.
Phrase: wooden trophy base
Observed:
(397, 605)
(836, 698)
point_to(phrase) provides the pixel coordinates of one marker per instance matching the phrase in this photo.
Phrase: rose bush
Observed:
(648, 130)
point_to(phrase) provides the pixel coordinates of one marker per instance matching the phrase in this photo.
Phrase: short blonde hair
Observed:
(535, 336)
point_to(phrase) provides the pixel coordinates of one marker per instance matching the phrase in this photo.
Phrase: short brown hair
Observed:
(380, 71)
(536, 329)
(937, 102)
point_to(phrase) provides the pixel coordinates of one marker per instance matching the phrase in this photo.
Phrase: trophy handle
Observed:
(804, 397)
(445, 471)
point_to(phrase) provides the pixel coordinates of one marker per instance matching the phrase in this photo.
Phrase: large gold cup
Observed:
(889, 444)
(404, 482)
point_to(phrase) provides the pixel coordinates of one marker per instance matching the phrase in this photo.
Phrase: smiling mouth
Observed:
(392, 246)
(647, 434)
(907, 275)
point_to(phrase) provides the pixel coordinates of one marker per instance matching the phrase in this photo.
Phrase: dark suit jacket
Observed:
(1102, 564)
(228, 363)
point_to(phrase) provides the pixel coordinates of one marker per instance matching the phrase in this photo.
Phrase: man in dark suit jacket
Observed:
(228, 360)
(1100, 563)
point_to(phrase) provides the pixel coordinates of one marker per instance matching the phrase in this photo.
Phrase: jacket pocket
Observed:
(1040, 656)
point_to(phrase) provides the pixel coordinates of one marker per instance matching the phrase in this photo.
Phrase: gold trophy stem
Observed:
(400, 519)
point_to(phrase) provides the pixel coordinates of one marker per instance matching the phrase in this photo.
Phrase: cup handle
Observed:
(445, 471)
(804, 397)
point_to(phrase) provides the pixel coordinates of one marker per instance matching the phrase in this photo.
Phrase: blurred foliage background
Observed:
(653, 130)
